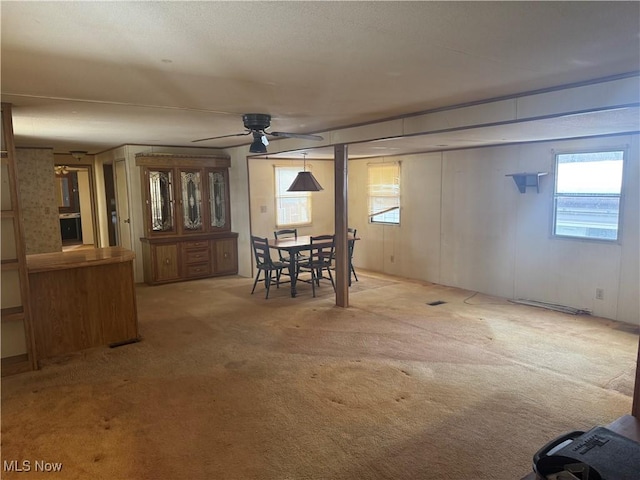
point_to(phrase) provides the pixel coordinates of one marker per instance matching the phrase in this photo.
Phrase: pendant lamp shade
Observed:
(305, 182)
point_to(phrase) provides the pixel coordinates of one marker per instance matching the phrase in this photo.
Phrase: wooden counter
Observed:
(82, 299)
(89, 257)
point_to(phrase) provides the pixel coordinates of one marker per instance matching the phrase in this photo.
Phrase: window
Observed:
(587, 195)
(384, 193)
(292, 208)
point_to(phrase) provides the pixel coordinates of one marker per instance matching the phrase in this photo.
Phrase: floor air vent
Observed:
(437, 302)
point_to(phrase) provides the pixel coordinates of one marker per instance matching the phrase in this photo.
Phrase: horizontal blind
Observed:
(292, 208)
(384, 192)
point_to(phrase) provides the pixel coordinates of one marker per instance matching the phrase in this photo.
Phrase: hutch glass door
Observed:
(217, 199)
(161, 200)
(191, 201)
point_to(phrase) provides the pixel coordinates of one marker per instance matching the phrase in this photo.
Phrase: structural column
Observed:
(341, 223)
(635, 408)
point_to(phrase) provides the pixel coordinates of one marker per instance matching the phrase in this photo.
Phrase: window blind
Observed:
(292, 208)
(384, 193)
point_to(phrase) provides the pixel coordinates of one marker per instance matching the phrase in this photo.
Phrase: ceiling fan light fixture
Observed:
(61, 169)
(258, 146)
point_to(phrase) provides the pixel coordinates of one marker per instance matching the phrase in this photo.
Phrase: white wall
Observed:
(262, 201)
(386, 247)
(465, 224)
(239, 197)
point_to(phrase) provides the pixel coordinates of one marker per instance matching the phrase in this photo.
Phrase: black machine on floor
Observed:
(598, 454)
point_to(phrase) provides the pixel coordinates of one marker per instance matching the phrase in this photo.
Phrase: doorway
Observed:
(123, 225)
(74, 192)
(110, 200)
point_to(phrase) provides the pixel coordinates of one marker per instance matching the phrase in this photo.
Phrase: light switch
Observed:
(263, 209)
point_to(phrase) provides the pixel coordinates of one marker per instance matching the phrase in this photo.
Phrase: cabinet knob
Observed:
(225, 255)
(167, 261)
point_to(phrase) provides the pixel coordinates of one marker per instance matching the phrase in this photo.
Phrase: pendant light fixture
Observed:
(78, 154)
(305, 181)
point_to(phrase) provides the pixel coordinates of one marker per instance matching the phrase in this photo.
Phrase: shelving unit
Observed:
(18, 346)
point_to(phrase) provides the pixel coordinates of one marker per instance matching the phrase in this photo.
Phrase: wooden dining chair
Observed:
(288, 233)
(265, 264)
(320, 259)
(351, 245)
(285, 233)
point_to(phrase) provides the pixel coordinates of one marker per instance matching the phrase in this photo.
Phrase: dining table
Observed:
(293, 246)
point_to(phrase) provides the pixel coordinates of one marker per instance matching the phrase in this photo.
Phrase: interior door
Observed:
(110, 200)
(85, 195)
(122, 205)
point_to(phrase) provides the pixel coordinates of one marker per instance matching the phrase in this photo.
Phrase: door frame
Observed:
(92, 194)
(123, 197)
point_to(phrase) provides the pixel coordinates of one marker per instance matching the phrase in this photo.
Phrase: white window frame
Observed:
(389, 194)
(559, 196)
(280, 194)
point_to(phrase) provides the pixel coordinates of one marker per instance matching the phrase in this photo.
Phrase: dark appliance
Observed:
(598, 454)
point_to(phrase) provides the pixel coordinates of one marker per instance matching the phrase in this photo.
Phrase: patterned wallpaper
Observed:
(36, 186)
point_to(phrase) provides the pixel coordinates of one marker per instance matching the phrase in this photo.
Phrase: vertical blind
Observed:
(384, 193)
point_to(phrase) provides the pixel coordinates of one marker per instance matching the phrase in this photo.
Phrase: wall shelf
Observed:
(527, 179)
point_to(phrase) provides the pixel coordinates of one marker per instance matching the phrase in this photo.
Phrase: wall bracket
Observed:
(526, 179)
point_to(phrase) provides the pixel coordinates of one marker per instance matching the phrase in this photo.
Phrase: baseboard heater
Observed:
(552, 306)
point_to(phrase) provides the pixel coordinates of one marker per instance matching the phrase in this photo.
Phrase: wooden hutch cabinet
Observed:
(187, 218)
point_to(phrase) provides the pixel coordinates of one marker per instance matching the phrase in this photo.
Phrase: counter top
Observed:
(45, 262)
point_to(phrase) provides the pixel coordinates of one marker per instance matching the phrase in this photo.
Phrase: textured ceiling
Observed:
(95, 75)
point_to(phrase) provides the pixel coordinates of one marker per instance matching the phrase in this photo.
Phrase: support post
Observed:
(341, 221)
(635, 408)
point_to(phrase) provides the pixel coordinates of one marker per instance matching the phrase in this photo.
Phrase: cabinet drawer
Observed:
(196, 256)
(198, 270)
(195, 244)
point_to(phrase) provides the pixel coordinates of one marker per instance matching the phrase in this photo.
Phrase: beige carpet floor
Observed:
(229, 386)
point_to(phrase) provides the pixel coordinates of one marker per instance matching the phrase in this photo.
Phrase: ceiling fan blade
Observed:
(221, 136)
(303, 136)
